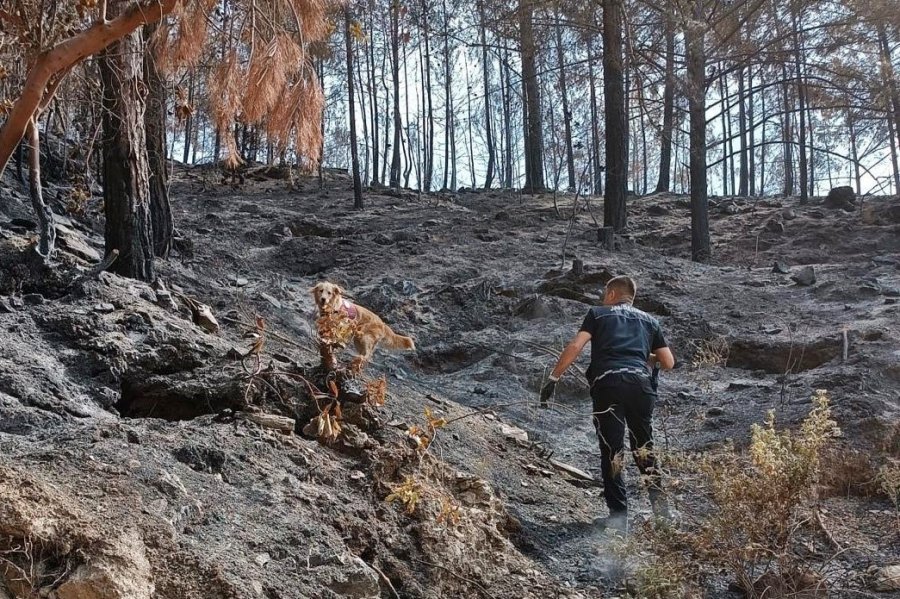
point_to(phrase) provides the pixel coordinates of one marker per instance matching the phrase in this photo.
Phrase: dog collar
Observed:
(349, 309)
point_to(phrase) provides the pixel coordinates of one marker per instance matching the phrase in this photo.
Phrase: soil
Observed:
(129, 466)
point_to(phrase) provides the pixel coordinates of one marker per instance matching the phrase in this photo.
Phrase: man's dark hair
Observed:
(624, 286)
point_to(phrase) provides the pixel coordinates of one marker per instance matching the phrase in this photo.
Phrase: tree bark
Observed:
(854, 152)
(51, 66)
(395, 77)
(507, 122)
(614, 214)
(188, 123)
(787, 135)
(695, 55)
(370, 70)
(429, 143)
(891, 81)
(354, 151)
(488, 129)
(162, 223)
(596, 167)
(725, 132)
(751, 132)
(665, 150)
(801, 100)
(534, 135)
(126, 187)
(567, 114)
(744, 176)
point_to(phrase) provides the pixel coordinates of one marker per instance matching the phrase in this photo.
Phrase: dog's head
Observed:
(327, 296)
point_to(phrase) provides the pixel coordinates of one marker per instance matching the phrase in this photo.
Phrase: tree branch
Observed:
(63, 57)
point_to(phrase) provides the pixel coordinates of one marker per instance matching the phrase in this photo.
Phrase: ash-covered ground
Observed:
(125, 460)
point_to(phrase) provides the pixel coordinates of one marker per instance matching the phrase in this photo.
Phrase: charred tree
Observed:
(162, 223)
(665, 150)
(564, 96)
(534, 135)
(616, 135)
(354, 151)
(126, 172)
(695, 55)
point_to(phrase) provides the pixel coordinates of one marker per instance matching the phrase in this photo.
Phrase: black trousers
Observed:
(624, 401)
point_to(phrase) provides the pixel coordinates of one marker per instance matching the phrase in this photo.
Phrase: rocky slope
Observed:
(132, 464)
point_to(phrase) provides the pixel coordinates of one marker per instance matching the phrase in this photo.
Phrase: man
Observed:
(626, 344)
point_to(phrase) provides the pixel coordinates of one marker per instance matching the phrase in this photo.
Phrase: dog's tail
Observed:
(394, 341)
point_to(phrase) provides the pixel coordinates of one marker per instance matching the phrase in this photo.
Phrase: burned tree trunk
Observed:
(616, 134)
(155, 119)
(665, 150)
(126, 172)
(696, 71)
(354, 152)
(534, 135)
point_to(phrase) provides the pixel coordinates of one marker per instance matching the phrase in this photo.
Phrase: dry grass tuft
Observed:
(409, 493)
(755, 504)
(710, 352)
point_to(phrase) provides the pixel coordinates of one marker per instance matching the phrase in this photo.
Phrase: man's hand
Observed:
(547, 392)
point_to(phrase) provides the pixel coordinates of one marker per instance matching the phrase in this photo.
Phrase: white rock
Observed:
(513, 432)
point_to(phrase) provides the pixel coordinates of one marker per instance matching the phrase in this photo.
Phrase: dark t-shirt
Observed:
(621, 337)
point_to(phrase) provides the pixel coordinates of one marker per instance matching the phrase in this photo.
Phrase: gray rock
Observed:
(33, 299)
(275, 303)
(774, 226)
(715, 411)
(805, 277)
(841, 197)
(729, 208)
(780, 268)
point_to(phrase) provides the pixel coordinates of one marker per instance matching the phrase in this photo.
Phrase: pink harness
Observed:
(349, 309)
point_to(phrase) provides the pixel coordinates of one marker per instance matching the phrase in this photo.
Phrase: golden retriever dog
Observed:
(370, 330)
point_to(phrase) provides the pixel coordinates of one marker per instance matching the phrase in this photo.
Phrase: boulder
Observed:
(121, 572)
(841, 197)
(805, 277)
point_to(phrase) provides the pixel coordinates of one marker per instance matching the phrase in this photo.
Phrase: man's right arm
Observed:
(664, 357)
(660, 352)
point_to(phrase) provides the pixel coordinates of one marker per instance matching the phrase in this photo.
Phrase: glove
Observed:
(547, 392)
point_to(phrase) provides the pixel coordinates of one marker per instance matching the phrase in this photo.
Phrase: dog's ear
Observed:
(315, 288)
(339, 289)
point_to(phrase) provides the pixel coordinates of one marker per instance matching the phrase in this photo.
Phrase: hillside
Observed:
(130, 468)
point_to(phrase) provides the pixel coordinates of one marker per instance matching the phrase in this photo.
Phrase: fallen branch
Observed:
(846, 352)
(386, 579)
(275, 422)
(455, 575)
(826, 531)
(572, 470)
(96, 269)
